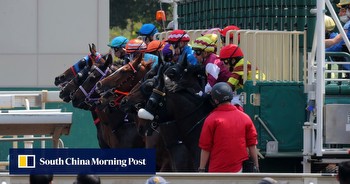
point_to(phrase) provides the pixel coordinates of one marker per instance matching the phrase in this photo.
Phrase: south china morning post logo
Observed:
(26, 161)
(89, 161)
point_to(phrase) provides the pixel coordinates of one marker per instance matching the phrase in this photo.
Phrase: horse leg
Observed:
(163, 160)
(101, 141)
(181, 159)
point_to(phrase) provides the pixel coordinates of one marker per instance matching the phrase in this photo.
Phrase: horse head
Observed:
(85, 96)
(69, 89)
(125, 77)
(71, 72)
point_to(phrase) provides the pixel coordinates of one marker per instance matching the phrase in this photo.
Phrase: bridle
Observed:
(88, 94)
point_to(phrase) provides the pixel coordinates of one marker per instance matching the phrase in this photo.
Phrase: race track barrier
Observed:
(49, 124)
(193, 178)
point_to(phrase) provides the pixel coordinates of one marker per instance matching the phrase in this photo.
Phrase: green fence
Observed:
(249, 14)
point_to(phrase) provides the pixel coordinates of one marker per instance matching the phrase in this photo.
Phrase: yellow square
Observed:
(22, 160)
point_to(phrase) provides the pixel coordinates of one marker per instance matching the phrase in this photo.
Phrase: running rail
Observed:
(193, 178)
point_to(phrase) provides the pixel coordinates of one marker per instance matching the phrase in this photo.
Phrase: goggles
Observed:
(198, 52)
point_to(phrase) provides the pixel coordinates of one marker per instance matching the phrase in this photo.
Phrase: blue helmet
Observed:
(119, 41)
(148, 30)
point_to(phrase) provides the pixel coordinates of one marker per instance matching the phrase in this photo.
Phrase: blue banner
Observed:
(82, 161)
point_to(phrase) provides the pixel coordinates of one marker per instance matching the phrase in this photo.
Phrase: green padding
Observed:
(282, 109)
(332, 89)
(345, 88)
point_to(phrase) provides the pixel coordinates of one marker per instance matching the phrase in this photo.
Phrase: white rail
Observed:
(45, 124)
(194, 178)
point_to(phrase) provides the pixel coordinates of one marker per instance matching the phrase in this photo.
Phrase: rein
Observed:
(88, 95)
(121, 95)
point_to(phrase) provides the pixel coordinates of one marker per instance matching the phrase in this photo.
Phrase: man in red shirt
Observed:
(226, 134)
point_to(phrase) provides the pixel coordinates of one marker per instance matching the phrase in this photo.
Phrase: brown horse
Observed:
(122, 128)
(72, 71)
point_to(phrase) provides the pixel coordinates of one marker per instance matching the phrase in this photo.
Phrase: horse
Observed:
(67, 91)
(179, 111)
(136, 99)
(122, 128)
(72, 71)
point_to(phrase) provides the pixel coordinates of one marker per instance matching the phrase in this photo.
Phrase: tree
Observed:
(123, 11)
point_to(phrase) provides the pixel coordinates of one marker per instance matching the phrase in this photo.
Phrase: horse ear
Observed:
(93, 47)
(90, 48)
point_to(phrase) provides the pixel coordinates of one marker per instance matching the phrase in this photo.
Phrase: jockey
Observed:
(147, 32)
(117, 46)
(233, 58)
(179, 41)
(225, 30)
(215, 69)
(168, 53)
(134, 47)
(154, 49)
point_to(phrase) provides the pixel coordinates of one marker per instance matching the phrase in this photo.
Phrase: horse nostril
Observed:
(72, 96)
(98, 85)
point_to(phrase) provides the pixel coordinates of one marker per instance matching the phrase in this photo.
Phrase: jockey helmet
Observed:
(230, 51)
(148, 30)
(221, 92)
(135, 45)
(212, 37)
(203, 43)
(155, 45)
(118, 42)
(178, 36)
(229, 28)
(167, 51)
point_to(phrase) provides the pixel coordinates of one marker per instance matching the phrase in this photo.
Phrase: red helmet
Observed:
(178, 36)
(229, 28)
(230, 51)
(135, 45)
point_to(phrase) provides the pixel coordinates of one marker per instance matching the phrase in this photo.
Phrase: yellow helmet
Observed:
(329, 23)
(212, 37)
(343, 2)
(203, 43)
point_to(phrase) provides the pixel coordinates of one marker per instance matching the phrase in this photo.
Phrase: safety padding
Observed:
(282, 107)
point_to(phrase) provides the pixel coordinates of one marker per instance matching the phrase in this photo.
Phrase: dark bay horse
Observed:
(72, 71)
(138, 97)
(94, 58)
(179, 111)
(69, 89)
